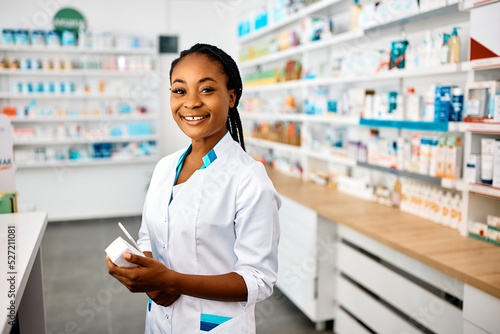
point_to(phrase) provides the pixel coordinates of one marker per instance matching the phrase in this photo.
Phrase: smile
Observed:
(194, 118)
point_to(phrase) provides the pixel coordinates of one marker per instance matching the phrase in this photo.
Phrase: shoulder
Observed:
(166, 163)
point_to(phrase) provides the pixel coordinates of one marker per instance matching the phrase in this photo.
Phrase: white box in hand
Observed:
(116, 250)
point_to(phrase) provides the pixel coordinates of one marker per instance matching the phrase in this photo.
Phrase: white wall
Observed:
(117, 190)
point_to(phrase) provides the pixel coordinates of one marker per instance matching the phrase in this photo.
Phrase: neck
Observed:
(201, 147)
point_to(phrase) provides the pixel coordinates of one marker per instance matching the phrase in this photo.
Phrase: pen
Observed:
(129, 236)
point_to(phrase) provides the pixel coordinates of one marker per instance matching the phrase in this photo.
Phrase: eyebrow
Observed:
(199, 81)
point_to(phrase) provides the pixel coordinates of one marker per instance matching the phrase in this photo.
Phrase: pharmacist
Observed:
(210, 222)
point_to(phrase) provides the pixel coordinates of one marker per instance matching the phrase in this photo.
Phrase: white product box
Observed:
(116, 250)
(478, 230)
(493, 236)
(496, 164)
(453, 158)
(493, 221)
(472, 172)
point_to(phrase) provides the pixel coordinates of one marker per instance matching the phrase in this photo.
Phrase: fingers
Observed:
(136, 259)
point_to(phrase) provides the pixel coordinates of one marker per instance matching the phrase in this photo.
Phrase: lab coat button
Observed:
(163, 246)
(168, 317)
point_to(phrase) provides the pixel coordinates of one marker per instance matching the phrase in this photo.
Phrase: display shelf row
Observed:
(104, 118)
(469, 4)
(309, 10)
(484, 190)
(336, 39)
(404, 125)
(75, 50)
(459, 185)
(89, 162)
(326, 156)
(388, 75)
(130, 95)
(341, 38)
(89, 140)
(76, 73)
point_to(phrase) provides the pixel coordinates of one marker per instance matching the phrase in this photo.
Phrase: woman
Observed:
(210, 222)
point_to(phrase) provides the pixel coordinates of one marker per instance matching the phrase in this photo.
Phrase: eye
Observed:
(177, 91)
(207, 90)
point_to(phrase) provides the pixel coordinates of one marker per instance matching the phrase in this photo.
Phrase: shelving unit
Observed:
(75, 73)
(67, 179)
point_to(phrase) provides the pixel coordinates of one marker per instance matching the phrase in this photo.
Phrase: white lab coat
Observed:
(223, 219)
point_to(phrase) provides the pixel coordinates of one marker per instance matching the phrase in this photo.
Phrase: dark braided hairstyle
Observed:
(229, 67)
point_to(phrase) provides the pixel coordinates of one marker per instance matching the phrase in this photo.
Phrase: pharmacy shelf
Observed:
(119, 118)
(407, 125)
(469, 4)
(75, 50)
(331, 120)
(272, 145)
(325, 156)
(76, 73)
(417, 16)
(485, 64)
(309, 10)
(76, 96)
(335, 39)
(484, 190)
(480, 127)
(85, 141)
(83, 163)
(445, 183)
(387, 75)
(328, 156)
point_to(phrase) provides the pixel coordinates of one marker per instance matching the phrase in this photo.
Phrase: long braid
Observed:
(228, 65)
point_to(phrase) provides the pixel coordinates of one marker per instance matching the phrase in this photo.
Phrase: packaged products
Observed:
(22, 37)
(496, 164)
(457, 102)
(483, 101)
(453, 158)
(398, 54)
(472, 173)
(8, 36)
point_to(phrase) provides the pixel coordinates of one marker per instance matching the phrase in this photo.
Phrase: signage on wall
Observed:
(69, 19)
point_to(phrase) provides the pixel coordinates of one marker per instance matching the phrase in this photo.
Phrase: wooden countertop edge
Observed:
(441, 266)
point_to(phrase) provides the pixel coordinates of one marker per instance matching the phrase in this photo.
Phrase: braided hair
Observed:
(229, 67)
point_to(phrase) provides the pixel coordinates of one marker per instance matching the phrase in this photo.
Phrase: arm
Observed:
(152, 276)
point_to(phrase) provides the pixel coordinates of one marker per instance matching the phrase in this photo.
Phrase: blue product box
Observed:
(261, 20)
(443, 106)
(8, 36)
(332, 107)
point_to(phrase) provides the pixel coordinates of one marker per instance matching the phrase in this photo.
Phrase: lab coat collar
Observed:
(211, 156)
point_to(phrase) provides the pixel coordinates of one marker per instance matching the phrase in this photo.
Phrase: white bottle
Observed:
(446, 210)
(428, 112)
(445, 49)
(427, 49)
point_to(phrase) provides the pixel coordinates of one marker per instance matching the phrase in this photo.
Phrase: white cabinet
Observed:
(307, 260)
(391, 293)
(481, 312)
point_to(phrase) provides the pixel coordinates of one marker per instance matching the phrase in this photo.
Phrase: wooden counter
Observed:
(471, 261)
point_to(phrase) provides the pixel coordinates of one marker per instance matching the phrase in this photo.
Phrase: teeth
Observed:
(194, 118)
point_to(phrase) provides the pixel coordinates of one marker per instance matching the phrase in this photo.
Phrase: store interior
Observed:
(378, 123)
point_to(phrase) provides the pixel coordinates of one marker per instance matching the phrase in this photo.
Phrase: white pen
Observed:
(129, 237)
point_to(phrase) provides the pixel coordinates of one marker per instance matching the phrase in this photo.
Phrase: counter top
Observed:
(29, 229)
(471, 261)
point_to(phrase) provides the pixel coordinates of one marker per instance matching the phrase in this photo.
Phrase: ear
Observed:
(232, 98)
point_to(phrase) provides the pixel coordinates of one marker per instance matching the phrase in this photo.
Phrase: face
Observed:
(199, 98)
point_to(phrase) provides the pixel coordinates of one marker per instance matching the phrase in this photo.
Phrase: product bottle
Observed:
(427, 49)
(412, 107)
(429, 108)
(445, 49)
(354, 12)
(457, 103)
(454, 47)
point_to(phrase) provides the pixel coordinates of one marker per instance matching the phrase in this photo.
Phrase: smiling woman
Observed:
(210, 225)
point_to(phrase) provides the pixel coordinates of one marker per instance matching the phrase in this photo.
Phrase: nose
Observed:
(192, 101)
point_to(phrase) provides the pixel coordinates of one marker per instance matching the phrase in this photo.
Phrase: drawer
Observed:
(345, 324)
(298, 222)
(413, 300)
(430, 275)
(372, 313)
(487, 316)
(470, 328)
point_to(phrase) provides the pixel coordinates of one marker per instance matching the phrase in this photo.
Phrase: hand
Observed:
(150, 275)
(163, 298)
